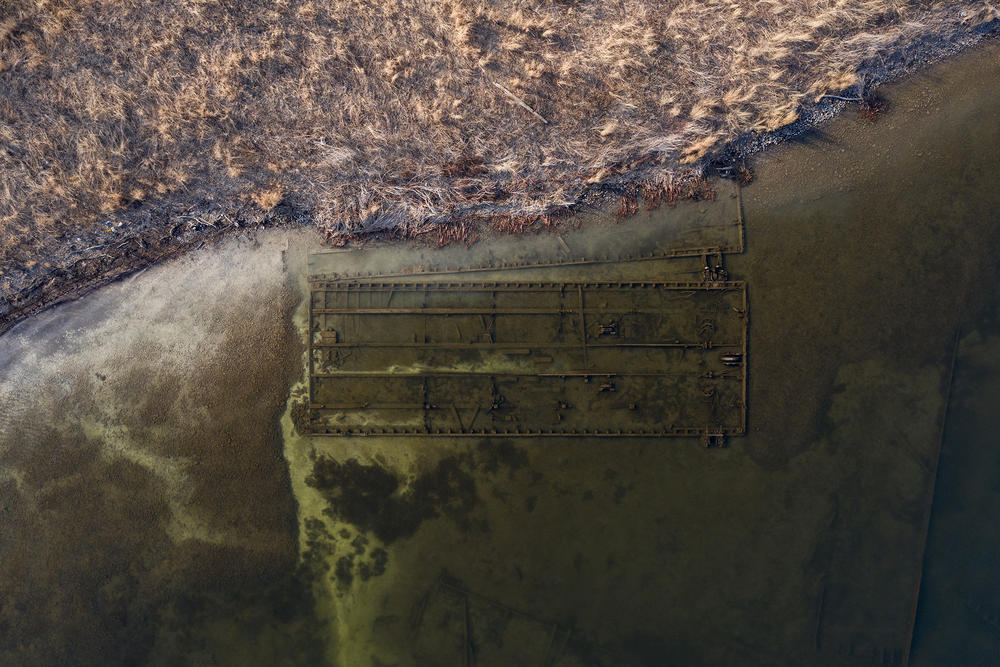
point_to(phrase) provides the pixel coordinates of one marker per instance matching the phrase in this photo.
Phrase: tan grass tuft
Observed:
(268, 198)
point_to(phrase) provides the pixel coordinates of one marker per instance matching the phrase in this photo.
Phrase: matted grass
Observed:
(394, 115)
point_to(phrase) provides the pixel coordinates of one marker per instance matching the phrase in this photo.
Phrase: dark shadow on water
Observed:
(814, 136)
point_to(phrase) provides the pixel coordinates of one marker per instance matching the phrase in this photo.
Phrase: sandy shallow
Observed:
(148, 509)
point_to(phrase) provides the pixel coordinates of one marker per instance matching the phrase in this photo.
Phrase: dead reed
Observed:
(387, 116)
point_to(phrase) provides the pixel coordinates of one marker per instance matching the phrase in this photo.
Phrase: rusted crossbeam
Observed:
(527, 433)
(583, 261)
(533, 346)
(587, 373)
(474, 311)
(325, 285)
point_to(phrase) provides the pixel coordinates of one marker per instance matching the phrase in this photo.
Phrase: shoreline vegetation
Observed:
(133, 131)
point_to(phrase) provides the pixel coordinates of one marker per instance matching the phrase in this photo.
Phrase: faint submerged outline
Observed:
(482, 624)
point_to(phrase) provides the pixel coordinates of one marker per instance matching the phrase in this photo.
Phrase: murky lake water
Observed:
(154, 511)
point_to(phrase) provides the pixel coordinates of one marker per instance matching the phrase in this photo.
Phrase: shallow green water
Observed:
(153, 513)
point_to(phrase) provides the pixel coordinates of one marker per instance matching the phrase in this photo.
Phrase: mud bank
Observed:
(73, 265)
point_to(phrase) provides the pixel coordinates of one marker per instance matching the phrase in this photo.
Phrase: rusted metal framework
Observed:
(443, 359)
(706, 251)
(430, 352)
(734, 246)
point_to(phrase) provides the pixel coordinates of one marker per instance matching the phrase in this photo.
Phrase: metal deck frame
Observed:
(345, 287)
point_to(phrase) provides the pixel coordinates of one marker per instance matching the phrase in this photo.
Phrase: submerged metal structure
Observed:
(531, 359)
(441, 352)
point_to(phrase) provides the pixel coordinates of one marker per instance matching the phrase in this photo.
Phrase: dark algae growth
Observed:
(369, 496)
(373, 498)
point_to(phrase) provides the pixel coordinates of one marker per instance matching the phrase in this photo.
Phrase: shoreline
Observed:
(160, 230)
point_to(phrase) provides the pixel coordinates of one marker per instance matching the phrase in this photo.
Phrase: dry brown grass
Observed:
(386, 115)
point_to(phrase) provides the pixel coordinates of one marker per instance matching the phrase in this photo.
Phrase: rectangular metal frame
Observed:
(586, 346)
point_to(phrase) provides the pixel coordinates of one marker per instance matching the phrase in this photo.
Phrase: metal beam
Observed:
(527, 345)
(489, 373)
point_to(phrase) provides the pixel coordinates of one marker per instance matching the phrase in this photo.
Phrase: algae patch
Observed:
(390, 507)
